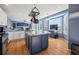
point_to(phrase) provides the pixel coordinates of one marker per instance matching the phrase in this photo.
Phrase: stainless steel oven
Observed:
(3, 40)
(1, 34)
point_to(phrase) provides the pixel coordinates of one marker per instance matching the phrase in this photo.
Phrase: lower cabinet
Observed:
(37, 43)
(16, 35)
(44, 41)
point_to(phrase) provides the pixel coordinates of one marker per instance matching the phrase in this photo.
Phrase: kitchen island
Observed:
(37, 42)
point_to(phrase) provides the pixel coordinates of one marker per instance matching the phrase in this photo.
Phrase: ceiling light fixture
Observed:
(34, 14)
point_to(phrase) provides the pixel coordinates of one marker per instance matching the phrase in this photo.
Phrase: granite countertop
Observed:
(15, 30)
(31, 33)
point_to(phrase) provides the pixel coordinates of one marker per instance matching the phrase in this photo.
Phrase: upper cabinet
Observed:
(3, 18)
(73, 8)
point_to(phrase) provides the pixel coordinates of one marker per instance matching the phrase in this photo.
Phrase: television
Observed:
(54, 27)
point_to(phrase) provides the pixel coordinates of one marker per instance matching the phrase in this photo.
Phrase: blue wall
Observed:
(73, 8)
(73, 24)
(74, 30)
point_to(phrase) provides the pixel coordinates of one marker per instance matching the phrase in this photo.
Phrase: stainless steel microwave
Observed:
(1, 29)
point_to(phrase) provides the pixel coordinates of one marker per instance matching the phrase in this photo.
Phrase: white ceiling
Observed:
(20, 11)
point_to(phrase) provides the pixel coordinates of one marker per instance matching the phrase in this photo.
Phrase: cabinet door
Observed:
(17, 35)
(0, 20)
(22, 35)
(4, 20)
(36, 44)
(44, 41)
(10, 35)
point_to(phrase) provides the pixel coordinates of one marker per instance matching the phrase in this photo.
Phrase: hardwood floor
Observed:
(56, 47)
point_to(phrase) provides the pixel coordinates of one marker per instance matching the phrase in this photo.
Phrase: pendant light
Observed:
(34, 14)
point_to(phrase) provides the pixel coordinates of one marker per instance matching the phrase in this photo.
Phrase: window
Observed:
(59, 18)
(58, 21)
(46, 25)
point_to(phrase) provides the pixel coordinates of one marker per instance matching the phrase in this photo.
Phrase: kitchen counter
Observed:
(36, 42)
(14, 30)
(31, 33)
